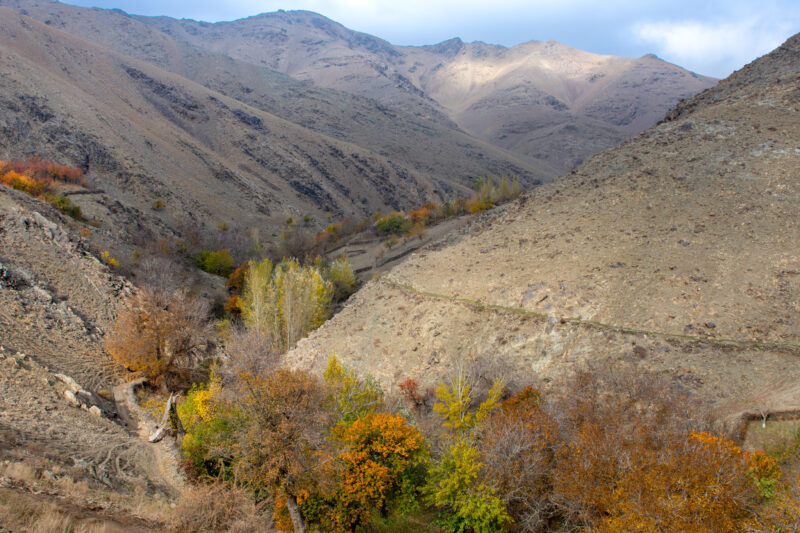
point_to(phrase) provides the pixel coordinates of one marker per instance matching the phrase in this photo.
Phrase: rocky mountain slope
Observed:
(678, 251)
(547, 101)
(64, 437)
(145, 134)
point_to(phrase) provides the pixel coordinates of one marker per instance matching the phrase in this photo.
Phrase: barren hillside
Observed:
(146, 135)
(548, 101)
(64, 440)
(678, 249)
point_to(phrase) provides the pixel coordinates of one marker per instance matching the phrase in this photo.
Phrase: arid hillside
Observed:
(677, 250)
(145, 135)
(67, 443)
(548, 101)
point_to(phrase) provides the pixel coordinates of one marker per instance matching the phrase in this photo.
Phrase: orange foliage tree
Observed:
(383, 460)
(159, 332)
(630, 462)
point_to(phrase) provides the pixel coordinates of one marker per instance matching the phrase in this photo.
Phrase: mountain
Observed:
(550, 102)
(676, 251)
(146, 134)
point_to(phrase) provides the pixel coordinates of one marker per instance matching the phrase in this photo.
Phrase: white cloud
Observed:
(715, 48)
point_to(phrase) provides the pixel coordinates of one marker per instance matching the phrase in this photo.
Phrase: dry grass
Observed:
(217, 507)
(20, 471)
(20, 512)
(75, 490)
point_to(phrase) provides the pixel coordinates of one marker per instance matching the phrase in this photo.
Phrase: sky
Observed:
(711, 37)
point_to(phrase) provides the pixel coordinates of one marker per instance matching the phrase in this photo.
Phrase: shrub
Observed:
(236, 279)
(409, 389)
(474, 207)
(217, 507)
(63, 204)
(207, 422)
(106, 258)
(341, 277)
(334, 230)
(350, 398)
(420, 216)
(41, 169)
(394, 224)
(219, 262)
(24, 183)
(35, 176)
(158, 205)
(233, 305)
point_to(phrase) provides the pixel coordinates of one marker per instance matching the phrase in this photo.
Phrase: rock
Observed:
(710, 325)
(69, 382)
(96, 411)
(70, 397)
(15, 278)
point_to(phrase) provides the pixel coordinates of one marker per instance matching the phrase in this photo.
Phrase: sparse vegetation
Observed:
(217, 262)
(63, 204)
(36, 177)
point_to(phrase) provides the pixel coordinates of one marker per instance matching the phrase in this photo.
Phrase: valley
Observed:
(275, 274)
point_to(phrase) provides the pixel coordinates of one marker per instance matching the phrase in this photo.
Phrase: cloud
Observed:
(715, 48)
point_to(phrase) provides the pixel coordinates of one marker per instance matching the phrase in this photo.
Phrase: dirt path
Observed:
(166, 454)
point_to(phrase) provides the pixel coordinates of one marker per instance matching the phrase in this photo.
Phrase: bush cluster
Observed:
(36, 177)
(217, 262)
(619, 451)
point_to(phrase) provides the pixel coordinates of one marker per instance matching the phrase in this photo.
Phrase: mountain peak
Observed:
(447, 48)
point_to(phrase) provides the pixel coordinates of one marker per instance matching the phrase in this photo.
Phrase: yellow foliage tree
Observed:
(284, 303)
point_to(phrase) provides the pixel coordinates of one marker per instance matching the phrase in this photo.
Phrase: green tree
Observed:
(455, 480)
(350, 398)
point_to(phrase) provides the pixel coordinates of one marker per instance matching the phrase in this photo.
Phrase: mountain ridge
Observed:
(309, 46)
(146, 134)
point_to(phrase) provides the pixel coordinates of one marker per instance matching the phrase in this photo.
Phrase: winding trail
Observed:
(718, 341)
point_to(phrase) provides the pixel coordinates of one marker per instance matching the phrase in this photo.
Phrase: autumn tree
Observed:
(383, 461)
(284, 303)
(635, 458)
(279, 435)
(160, 332)
(350, 397)
(456, 482)
(517, 446)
